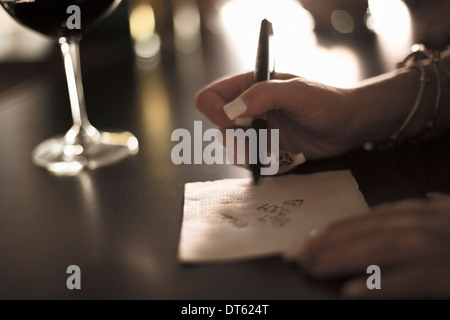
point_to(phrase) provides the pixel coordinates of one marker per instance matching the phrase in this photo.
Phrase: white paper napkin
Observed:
(231, 219)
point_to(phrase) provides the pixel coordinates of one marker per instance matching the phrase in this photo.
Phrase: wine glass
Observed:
(83, 146)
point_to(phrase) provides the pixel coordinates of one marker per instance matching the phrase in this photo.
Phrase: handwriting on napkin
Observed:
(231, 219)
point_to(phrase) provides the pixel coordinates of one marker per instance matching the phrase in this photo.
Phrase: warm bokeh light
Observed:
(147, 42)
(391, 21)
(142, 20)
(296, 47)
(186, 23)
(342, 21)
(337, 66)
(241, 22)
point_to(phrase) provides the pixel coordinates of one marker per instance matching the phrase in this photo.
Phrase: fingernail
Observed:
(288, 159)
(243, 122)
(235, 108)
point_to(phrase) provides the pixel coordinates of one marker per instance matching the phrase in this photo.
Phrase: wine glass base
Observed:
(63, 158)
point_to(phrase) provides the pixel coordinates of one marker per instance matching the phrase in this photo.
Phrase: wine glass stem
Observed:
(71, 56)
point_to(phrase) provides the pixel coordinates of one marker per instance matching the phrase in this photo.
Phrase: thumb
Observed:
(263, 97)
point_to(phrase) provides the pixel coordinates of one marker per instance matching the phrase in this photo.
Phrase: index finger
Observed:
(211, 99)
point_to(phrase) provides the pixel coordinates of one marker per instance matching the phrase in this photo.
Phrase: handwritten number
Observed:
(295, 203)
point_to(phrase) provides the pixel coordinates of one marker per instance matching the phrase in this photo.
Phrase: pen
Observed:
(264, 69)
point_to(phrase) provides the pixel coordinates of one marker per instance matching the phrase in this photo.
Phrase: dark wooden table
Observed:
(121, 224)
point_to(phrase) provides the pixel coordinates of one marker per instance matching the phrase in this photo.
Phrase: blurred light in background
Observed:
(342, 21)
(337, 66)
(240, 19)
(297, 50)
(296, 46)
(186, 22)
(20, 44)
(391, 21)
(147, 43)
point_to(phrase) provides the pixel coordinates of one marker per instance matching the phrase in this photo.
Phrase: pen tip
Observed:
(255, 176)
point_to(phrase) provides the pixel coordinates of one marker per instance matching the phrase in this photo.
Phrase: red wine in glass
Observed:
(83, 146)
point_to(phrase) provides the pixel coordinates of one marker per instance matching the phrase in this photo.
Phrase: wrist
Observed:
(380, 105)
(409, 104)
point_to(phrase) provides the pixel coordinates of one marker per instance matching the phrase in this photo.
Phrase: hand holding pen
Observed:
(314, 120)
